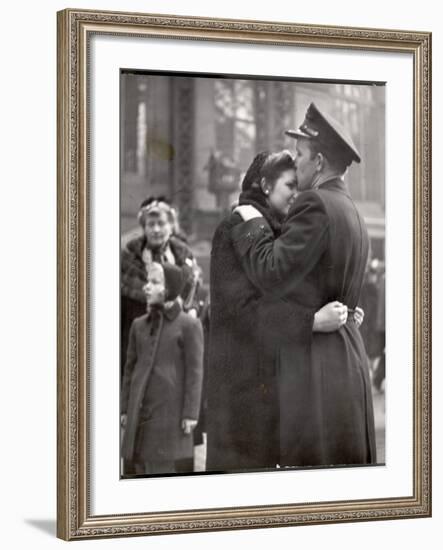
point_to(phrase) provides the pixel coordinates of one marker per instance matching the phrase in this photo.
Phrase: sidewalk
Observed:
(379, 417)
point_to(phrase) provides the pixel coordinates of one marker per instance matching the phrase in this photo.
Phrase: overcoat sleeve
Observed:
(131, 359)
(193, 354)
(267, 262)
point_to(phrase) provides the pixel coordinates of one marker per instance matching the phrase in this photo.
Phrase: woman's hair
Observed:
(269, 166)
(155, 206)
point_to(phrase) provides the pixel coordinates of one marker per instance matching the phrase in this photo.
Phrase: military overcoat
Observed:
(326, 414)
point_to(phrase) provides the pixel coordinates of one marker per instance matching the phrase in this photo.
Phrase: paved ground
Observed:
(379, 417)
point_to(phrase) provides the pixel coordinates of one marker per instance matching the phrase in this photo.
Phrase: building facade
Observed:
(191, 138)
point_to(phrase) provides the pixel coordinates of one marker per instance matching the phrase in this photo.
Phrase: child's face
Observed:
(154, 288)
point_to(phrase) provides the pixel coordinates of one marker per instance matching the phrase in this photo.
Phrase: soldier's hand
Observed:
(330, 317)
(247, 212)
(188, 425)
(192, 312)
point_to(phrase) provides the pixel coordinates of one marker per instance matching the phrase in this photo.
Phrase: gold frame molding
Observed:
(74, 519)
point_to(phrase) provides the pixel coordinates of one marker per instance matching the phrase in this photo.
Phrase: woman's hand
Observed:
(330, 317)
(359, 316)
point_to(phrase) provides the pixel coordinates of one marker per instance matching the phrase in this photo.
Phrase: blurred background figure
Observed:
(380, 367)
(373, 328)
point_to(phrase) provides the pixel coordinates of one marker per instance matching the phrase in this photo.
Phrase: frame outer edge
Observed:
(427, 244)
(72, 212)
(423, 203)
(429, 318)
(63, 145)
(422, 207)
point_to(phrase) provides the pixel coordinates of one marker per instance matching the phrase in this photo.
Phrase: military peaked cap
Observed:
(328, 133)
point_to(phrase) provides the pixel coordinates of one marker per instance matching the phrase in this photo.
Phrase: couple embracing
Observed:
(288, 379)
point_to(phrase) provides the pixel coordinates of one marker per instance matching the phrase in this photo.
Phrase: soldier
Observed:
(326, 414)
(246, 328)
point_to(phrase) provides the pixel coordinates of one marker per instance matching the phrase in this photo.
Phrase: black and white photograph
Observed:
(252, 273)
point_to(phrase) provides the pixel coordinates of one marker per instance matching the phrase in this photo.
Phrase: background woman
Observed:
(160, 242)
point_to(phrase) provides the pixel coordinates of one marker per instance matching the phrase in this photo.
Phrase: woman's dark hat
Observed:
(327, 132)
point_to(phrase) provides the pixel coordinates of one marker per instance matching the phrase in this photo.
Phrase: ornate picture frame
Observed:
(75, 516)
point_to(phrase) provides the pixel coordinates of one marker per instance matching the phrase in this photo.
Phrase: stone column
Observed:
(205, 141)
(261, 115)
(183, 114)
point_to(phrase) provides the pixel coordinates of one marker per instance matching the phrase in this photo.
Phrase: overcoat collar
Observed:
(256, 198)
(173, 310)
(178, 248)
(170, 311)
(336, 183)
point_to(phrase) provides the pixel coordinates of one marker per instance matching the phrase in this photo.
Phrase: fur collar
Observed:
(256, 198)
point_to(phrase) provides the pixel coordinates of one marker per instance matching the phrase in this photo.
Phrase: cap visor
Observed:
(297, 134)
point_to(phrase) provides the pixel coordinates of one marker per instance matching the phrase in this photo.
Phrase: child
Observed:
(162, 380)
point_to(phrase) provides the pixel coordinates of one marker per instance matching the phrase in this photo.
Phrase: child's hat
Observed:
(174, 280)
